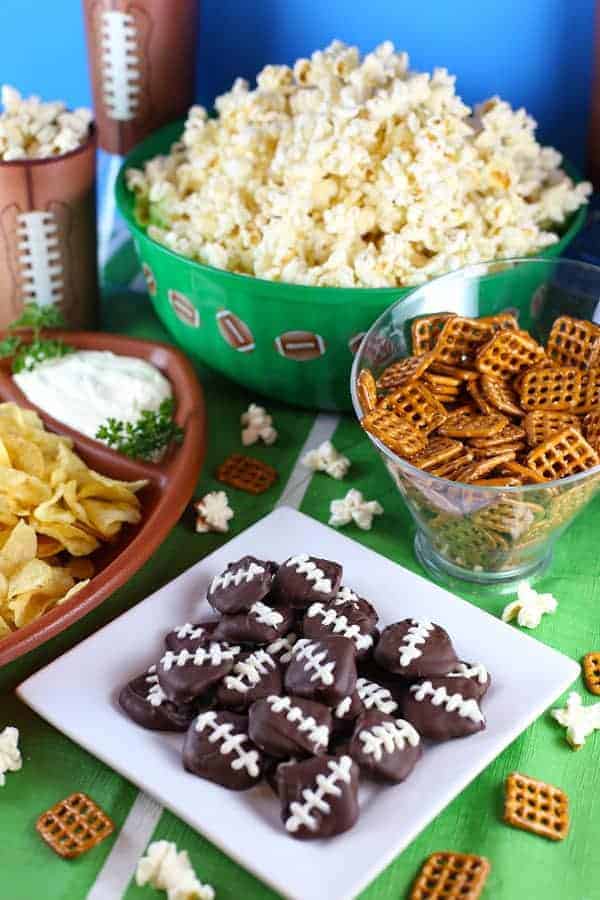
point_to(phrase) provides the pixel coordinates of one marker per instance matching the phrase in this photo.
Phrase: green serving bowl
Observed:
(291, 342)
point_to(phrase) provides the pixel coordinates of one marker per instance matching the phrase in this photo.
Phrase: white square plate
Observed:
(78, 694)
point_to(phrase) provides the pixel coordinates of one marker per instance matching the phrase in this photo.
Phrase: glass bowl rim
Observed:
(458, 274)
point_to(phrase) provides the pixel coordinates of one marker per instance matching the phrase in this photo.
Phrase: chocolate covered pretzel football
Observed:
(384, 747)
(190, 636)
(254, 675)
(323, 670)
(243, 583)
(348, 615)
(183, 675)
(319, 796)
(261, 624)
(444, 708)
(303, 579)
(217, 747)
(146, 703)
(414, 648)
(289, 726)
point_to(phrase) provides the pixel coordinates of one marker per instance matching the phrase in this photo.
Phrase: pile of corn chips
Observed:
(54, 512)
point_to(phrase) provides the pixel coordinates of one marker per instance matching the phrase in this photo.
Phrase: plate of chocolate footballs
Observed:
(306, 704)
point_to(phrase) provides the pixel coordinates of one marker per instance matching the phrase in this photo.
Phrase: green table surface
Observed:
(523, 866)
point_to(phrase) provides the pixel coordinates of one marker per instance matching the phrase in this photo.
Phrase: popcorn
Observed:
(353, 508)
(31, 129)
(10, 755)
(166, 869)
(530, 606)
(213, 513)
(355, 172)
(257, 425)
(579, 720)
(325, 458)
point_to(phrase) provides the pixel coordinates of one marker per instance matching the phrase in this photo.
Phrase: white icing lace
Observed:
(388, 737)
(317, 734)
(477, 671)
(314, 799)
(155, 695)
(283, 643)
(227, 578)
(120, 65)
(39, 258)
(305, 566)
(265, 614)
(339, 624)
(231, 743)
(374, 695)
(468, 709)
(189, 630)
(416, 635)
(343, 707)
(315, 660)
(345, 595)
(213, 655)
(248, 672)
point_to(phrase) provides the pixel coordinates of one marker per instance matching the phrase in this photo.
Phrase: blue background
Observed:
(536, 53)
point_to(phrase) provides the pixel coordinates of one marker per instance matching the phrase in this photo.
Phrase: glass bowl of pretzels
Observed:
(481, 391)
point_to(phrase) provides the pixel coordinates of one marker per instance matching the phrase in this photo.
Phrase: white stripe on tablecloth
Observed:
(120, 864)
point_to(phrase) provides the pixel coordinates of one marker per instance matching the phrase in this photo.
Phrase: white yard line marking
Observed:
(297, 484)
(109, 209)
(120, 864)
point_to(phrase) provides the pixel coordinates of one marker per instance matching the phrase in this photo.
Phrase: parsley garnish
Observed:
(27, 356)
(146, 438)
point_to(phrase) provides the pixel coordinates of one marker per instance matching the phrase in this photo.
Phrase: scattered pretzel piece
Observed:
(74, 826)
(535, 806)
(247, 474)
(451, 876)
(591, 672)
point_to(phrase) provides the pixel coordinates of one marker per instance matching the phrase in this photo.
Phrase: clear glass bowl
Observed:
(489, 535)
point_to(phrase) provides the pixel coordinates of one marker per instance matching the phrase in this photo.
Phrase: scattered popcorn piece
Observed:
(166, 869)
(530, 606)
(213, 512)
(258, 425)
(327, 459)
(10, 755)
(31, 129)
(355, 171)
(353, 508)
(579, 720)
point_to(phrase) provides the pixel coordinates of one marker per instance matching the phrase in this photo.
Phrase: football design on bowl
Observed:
(235, 332)
(300, 345)
(150, 279)
(355, 341)
(183, 308)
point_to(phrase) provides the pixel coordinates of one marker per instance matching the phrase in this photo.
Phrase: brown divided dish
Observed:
(171, 482)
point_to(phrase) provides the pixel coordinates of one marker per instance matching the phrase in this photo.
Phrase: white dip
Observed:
(85, 388)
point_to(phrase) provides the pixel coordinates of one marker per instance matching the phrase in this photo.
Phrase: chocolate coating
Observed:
(254, 675)
(303, 579)
(289, 726)
(261, 624)
(308, 810)
(217, 747)
(347, 616)
(385, 747)
(244, 582)
(414, 648)
(323, 670)
(143, 700)
(443, 708)
(183, 676)
(189, 636)
(476, 673)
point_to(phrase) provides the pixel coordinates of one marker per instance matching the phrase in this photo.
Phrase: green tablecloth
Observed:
(523, 866)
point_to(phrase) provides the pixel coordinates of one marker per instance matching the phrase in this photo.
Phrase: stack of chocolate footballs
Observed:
(294, 683)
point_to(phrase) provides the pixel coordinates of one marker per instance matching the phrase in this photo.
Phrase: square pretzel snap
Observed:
(535, 806)
(451, 876)
(591, 672)
(247, 474)
(74, 826)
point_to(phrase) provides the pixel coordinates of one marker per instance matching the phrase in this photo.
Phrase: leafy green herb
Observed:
(146, 438)
(27, 356)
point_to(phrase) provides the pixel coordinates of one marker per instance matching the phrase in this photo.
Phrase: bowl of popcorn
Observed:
(481, 391)
(272, 234)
